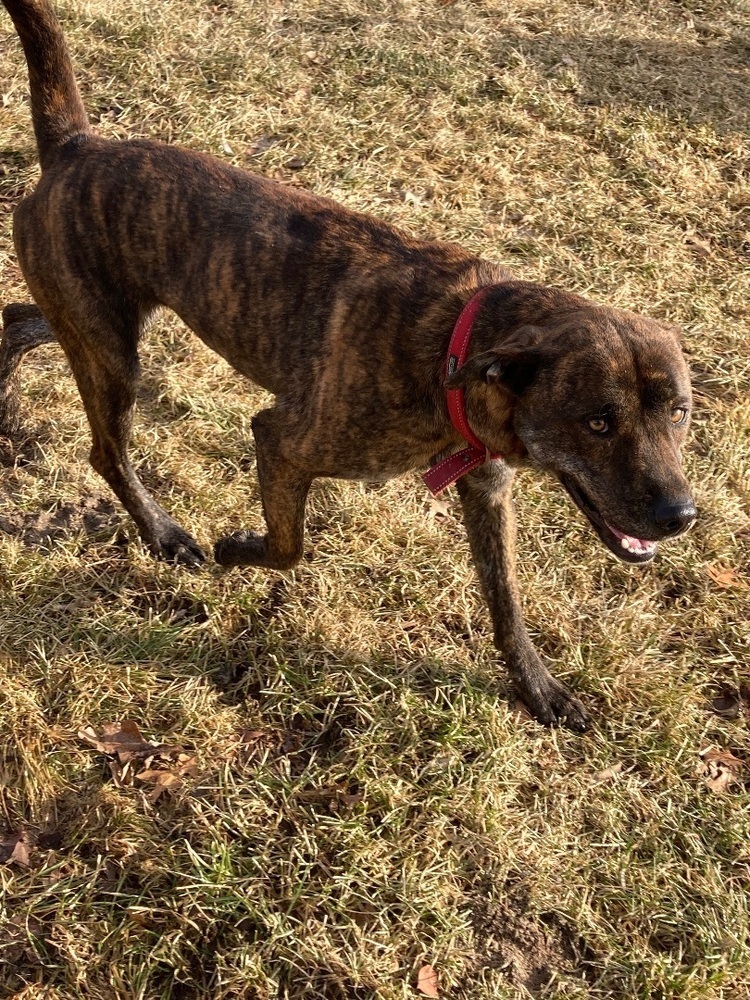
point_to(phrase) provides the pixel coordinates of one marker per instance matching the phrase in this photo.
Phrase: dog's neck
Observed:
(508, 305)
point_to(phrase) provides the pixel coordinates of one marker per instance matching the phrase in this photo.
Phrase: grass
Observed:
(368, 801)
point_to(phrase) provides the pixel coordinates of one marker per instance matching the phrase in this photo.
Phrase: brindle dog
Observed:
(346, 321)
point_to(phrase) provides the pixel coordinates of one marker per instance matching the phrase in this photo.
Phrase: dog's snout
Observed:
(674, 516)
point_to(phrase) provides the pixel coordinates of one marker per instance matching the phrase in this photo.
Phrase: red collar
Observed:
(438, 477)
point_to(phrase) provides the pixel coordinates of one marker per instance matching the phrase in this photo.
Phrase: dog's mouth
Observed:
(624, 546)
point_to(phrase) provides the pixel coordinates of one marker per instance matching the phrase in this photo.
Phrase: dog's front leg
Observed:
(284, 486)
(491, 527)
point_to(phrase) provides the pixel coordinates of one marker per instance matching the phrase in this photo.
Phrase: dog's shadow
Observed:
(309, 751)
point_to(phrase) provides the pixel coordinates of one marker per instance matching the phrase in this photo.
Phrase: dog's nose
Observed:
(673, 517)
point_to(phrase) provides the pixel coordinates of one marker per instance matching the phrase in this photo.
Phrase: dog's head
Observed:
(601, 398)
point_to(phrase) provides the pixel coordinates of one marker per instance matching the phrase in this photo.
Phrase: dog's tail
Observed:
(56, 107)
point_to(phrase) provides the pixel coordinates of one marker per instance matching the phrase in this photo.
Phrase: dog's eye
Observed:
(679, 414)
(598, 425)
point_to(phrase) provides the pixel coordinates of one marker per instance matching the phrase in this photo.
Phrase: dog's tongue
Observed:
(640, 546)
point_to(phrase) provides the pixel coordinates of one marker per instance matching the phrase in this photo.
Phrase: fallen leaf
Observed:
(335, 797)
(427, 981)
(163, 781)
(124, 739)
(187, 765)
(252, 735)
(296, 163)
(262, 143)
(116, 770)
(254, 744)
(720, 769)
(227, 148)
(350, 799)
(725, 576)
(411, 198)
(435, 507)
(700, 247)
(15, 944)
(608, 773)
(14, 849)
(139, 917)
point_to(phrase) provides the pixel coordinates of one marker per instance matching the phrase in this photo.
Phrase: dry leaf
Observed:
(608, 773)
(116, 770)
(14, 849)
(252, 735)
(187, 765)
(254, 744)
(435, 507)
(350, 799)
(720, 769)
(124, 739)
(411, 198)
(427, 981)
(700, 247)
(262, 143)
(335, 797)
(15, 945)
(296, 163)
(725, 576)
(164, 781)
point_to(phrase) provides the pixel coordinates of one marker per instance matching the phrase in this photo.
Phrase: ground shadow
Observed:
(707, 81)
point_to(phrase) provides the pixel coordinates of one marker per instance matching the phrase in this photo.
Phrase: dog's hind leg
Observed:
(283, 488)
(24, 328)
(491, 527)
(106, 367)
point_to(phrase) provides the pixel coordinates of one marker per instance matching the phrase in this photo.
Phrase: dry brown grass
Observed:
(390, 808)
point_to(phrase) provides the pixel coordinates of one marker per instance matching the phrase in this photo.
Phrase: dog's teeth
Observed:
(625, 542)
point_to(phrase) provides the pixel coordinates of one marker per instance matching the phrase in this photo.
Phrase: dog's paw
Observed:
(177, 546)
(241, 548)
(552, 704)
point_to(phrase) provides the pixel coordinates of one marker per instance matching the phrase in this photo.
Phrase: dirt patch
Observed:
(88, 516)
(530, 950)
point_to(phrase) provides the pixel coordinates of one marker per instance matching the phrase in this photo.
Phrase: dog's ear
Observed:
(514, 364)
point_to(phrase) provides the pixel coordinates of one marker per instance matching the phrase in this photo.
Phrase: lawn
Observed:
(341, 788)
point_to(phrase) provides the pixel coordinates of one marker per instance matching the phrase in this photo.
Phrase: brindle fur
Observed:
(346, 321)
